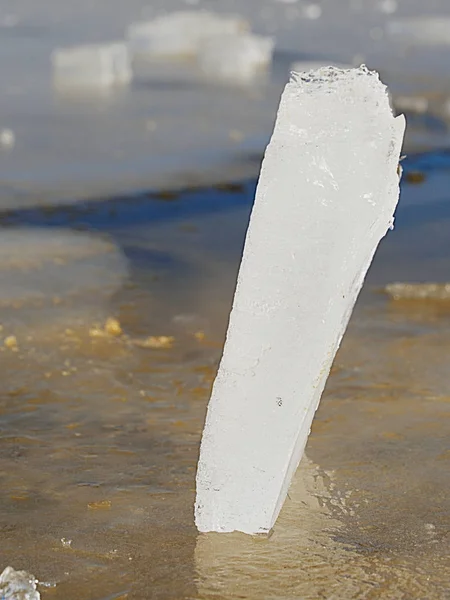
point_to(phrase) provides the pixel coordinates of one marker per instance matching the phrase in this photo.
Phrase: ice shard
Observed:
(326, 196)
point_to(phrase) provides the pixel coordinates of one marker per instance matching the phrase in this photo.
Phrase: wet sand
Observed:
(99, 436)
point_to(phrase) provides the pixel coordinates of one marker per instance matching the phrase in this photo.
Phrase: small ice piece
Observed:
(95, 65)
(235, 57)
(312, 11)
(18, 585)
(180, 33)
(427, 31)
(7, 138)
(326, 196)
(388, 7)
(418, 291)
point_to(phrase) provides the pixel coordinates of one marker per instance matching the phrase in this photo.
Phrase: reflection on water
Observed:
(305, 557)
(99, 436)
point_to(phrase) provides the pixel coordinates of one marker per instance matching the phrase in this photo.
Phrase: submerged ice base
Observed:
(326, 196)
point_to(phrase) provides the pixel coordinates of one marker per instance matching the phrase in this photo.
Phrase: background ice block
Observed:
(429, 31)
(93, 65)
(180, 33)
(326, 196)
(235, 57)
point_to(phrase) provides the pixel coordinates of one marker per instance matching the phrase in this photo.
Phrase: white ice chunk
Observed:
(95, 65)
(7, 138)
(235, 57)
(180, 33)
(18, 585)
(312, 11)
(421, 30)
(388, 7)
(326, 196)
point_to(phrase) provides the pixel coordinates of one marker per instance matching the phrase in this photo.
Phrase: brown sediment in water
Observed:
(99, 440)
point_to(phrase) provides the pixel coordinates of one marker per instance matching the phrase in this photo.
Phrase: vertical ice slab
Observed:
(326, 196)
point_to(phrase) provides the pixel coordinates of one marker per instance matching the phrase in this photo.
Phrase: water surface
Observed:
(99, 436)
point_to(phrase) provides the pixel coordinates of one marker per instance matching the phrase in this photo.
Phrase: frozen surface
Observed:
(181, 33)
(38, 265)
(326, 196)
(235, 57)
(91, 65)
(18, 585)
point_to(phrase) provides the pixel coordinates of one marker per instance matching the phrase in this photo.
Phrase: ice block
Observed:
(235, 57)
(422, 30)
(326, 196)
(180, 33)
(93, 65)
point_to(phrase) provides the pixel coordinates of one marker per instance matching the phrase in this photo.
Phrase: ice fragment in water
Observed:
(312, 11)
(96, 65)
(7, 138)
(311, 239)
(428, 31)
(18, 585)
(235, 57)
(418, 291)
(180, 33)
(388, 6)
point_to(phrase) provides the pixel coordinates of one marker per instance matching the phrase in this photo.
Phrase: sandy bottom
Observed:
(99, 434)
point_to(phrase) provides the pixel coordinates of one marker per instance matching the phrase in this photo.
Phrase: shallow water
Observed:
(99, 436)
